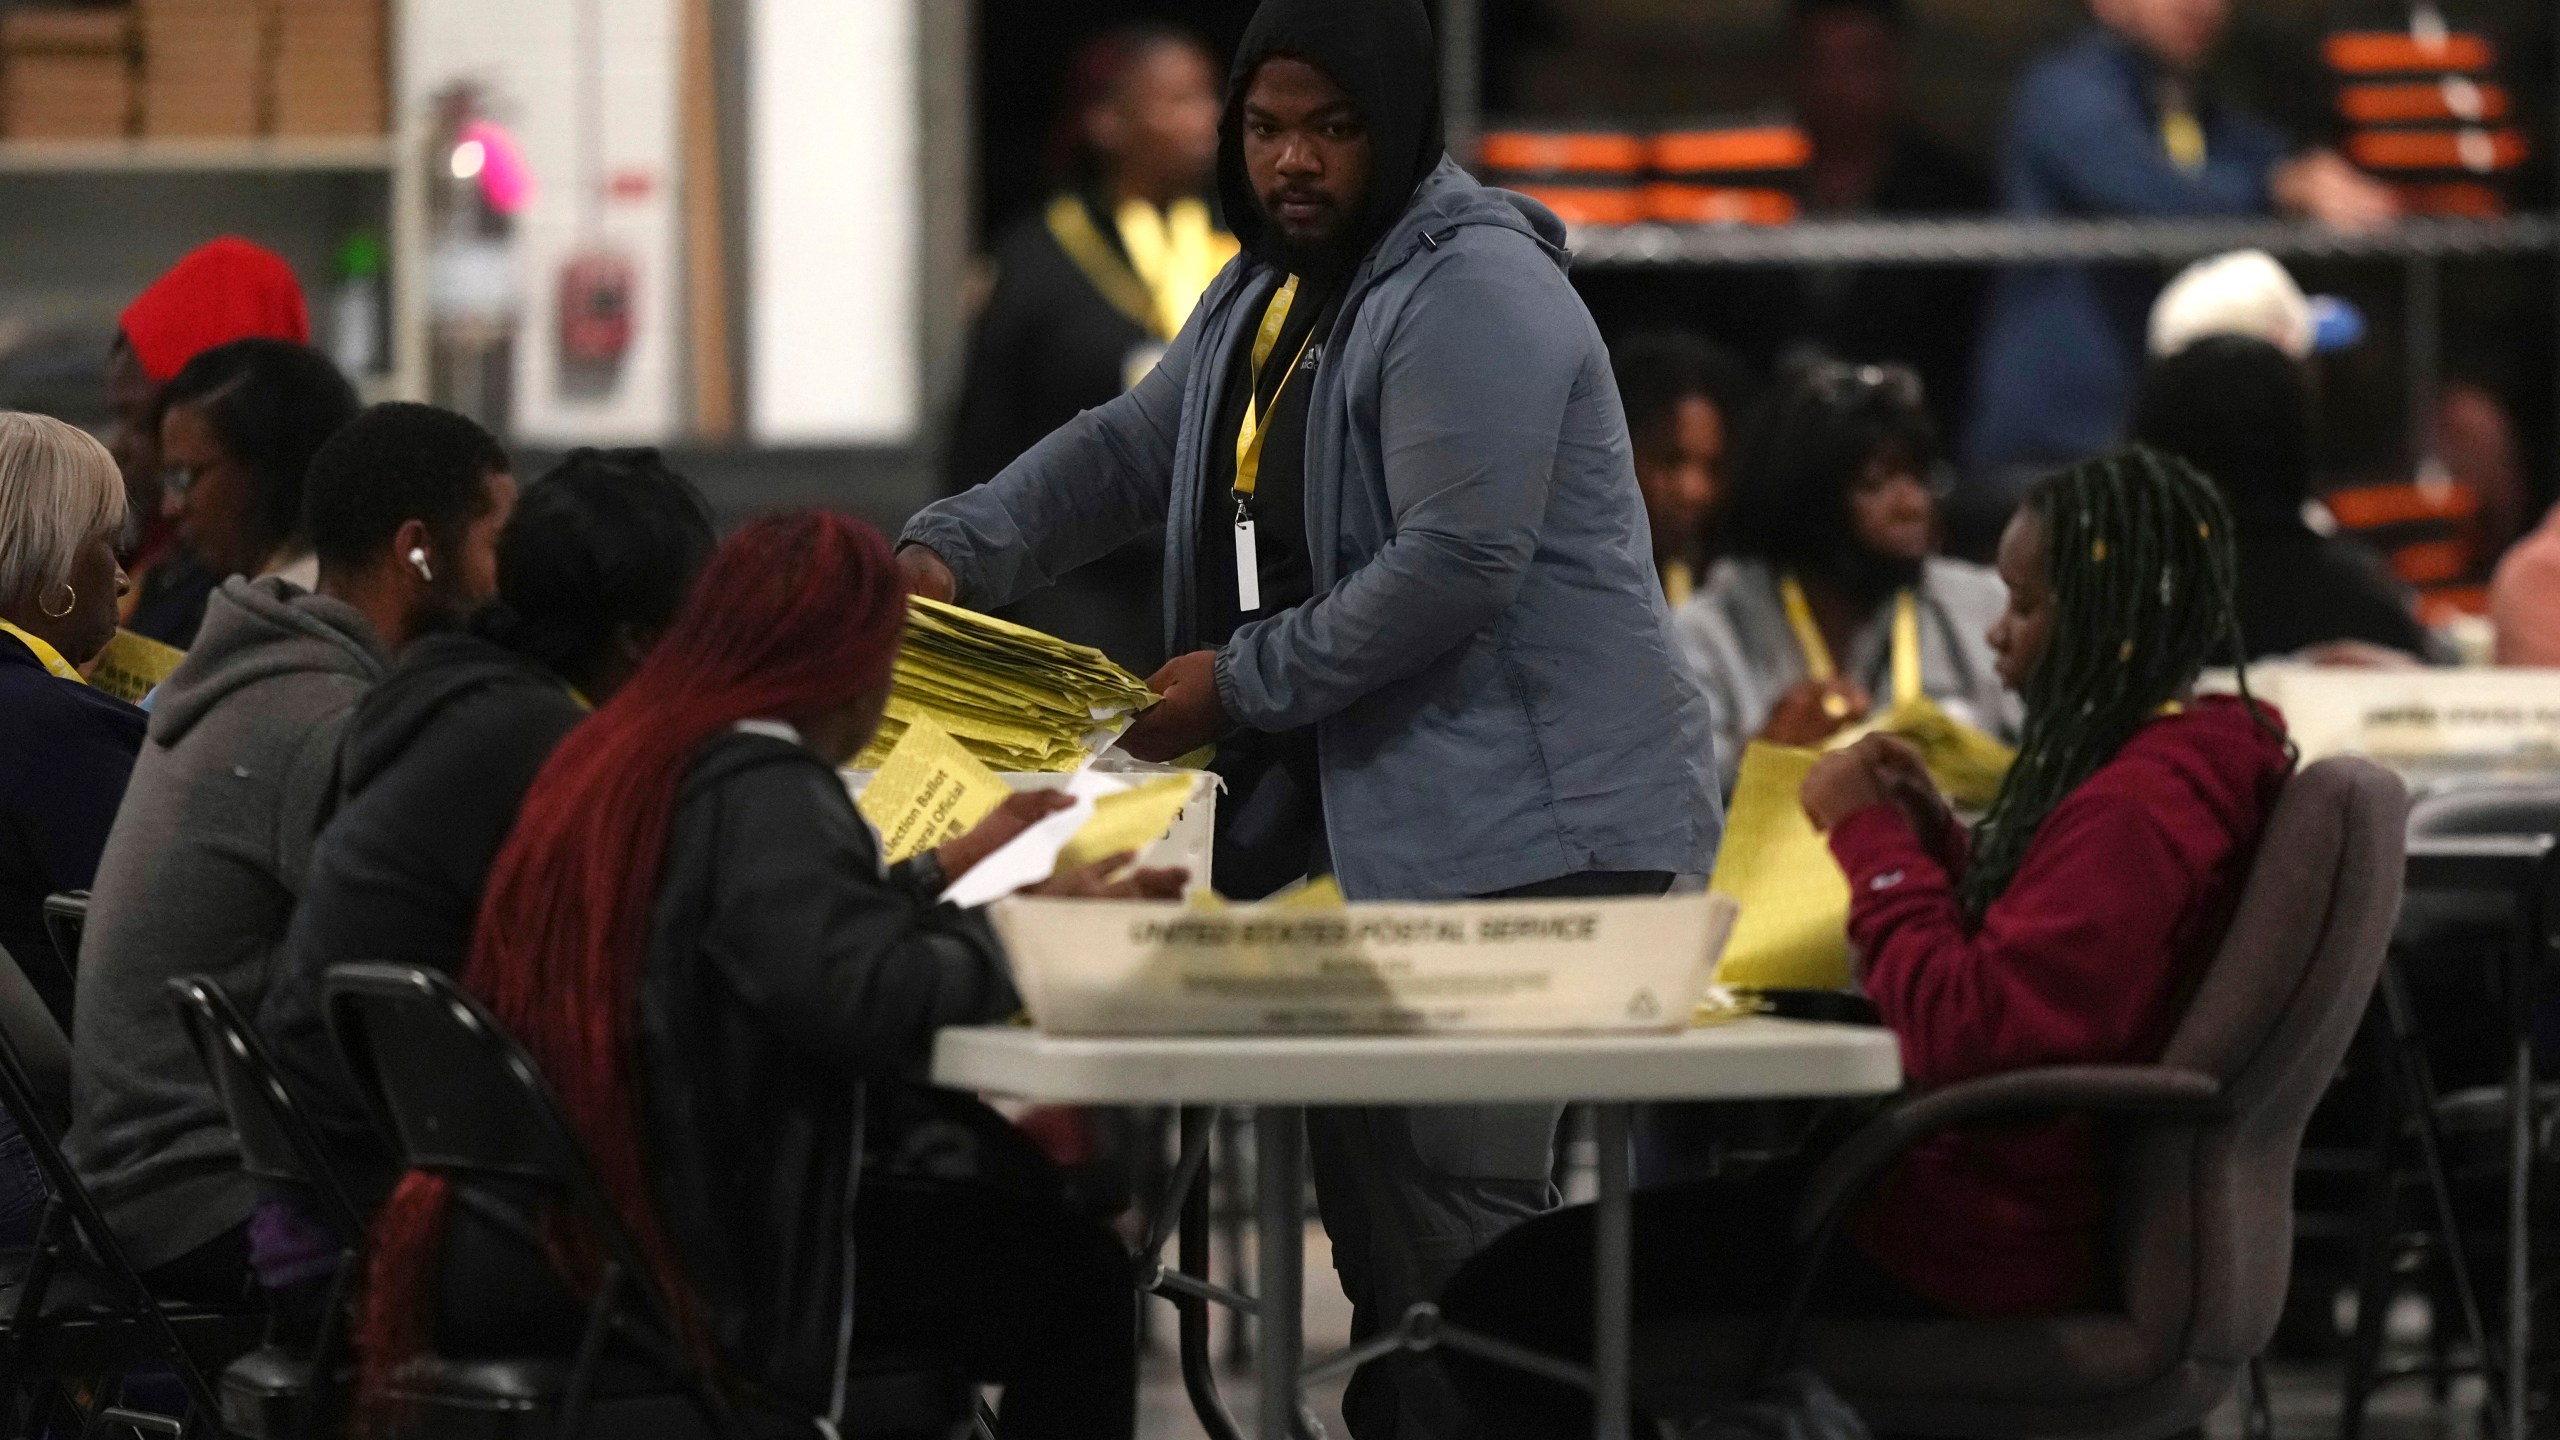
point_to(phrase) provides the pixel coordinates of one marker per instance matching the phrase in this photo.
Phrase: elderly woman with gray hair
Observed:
(65, 749)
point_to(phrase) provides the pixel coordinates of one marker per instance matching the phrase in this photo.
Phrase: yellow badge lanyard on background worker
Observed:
(1818, 665)
(1251, 434)
(50, 658)
(2181, 130)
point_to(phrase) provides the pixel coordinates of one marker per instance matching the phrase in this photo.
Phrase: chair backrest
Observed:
(26, 1034)
(278, 1143)
(56, 976)
(66, 916)
(2207, 1210)
(459, 1097)
(2499, 809)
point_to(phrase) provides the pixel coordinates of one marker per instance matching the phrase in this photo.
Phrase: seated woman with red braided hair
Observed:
(691, 931)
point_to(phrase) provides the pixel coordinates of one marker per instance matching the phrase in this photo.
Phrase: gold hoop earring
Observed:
(71, 601)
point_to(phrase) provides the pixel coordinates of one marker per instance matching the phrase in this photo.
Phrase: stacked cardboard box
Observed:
(65, 74)
(202, 64)
(329, 67)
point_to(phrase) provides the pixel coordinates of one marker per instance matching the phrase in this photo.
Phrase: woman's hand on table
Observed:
(1101, 880)
(1008, 820)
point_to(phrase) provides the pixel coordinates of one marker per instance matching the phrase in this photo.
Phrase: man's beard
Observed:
(1327, 257)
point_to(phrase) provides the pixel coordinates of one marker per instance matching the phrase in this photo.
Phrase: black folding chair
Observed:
(459, 1098)
(66, 918)
(282, 1389)
(78, 1311)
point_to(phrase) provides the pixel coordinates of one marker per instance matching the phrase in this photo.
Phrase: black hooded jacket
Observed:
(437, 762)
(1381, 51)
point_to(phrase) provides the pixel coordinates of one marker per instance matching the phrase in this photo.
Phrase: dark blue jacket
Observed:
(2063, 346)
(65, 752)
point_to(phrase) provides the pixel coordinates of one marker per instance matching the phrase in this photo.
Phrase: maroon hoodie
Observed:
(2088, 957)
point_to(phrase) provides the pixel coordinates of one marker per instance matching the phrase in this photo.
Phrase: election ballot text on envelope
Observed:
(929, 790)
(1121, 968)
(132, 666)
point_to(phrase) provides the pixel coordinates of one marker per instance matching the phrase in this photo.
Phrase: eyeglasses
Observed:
(177, 480)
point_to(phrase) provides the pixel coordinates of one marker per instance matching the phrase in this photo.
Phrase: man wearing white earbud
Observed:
(238, 768)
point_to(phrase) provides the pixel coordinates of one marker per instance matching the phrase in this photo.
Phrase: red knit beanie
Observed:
(224, 290)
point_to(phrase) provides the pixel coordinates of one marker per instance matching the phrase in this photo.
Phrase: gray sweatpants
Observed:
(1407, 1196)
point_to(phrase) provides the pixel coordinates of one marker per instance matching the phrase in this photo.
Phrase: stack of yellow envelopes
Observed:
(1016, 699)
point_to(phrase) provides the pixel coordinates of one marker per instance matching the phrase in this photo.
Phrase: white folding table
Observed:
(1278, 1076)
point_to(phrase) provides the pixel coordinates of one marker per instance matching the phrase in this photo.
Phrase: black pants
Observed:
(1018, 1292)
(1716, 1247)
(1012, 1288)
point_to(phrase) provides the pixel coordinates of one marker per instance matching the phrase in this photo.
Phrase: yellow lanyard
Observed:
(2183, 136)
(45, 654)
(1818, 664)
(1250, 435)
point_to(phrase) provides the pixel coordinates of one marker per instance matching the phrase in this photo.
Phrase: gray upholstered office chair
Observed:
(2202, 1191)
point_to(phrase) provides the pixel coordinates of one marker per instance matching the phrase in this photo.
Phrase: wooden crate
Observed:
(66, 74)
(204, 64)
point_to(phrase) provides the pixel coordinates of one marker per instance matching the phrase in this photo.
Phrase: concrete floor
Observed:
(2305, 1394)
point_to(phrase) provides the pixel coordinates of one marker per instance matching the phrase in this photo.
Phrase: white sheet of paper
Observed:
(1248, 569)
(1032, 856)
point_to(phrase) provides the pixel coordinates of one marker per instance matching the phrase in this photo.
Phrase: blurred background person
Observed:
(1686, 399)
(2118, 122)
(1833, 518)
(2239, 409)
(1091, 290)
(1871, 160)
(2524, 598)
(223, 290)
(65, 749)
(238, 428)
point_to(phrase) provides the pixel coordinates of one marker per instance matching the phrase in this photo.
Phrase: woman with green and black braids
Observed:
(2069, 928)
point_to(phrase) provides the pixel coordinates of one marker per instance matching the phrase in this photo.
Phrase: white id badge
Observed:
(1248, 568)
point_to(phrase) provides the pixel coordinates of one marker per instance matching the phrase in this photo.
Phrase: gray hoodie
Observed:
(200, 876)
(1488, 662)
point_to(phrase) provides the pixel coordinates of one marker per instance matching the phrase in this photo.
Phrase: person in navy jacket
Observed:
(65, 749)
(2119, 122)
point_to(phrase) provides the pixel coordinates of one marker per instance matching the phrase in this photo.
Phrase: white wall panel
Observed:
(833, 132)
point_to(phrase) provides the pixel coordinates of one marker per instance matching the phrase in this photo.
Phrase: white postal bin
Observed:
(1088, 967)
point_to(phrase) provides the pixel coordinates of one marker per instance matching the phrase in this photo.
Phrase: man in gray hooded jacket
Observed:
(1408, 583)
(237, 770)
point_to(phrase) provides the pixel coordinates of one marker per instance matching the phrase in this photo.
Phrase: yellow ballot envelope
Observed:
(1793, 932)
(132, 666)
(929, 790)
(1967, 764)
(1019, 700)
